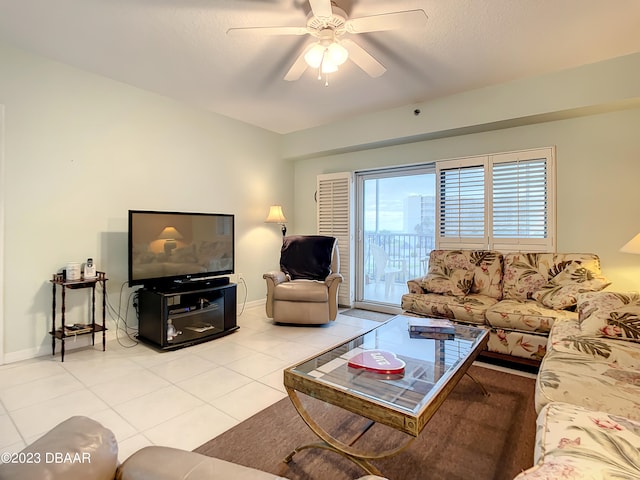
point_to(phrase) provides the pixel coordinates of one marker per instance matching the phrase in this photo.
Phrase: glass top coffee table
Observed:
(387, 376)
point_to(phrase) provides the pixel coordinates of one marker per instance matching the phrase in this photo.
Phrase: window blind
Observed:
(462, 202)
(520, 199)
(503, 202)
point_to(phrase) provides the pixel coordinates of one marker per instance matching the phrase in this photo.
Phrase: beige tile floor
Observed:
(181, 398)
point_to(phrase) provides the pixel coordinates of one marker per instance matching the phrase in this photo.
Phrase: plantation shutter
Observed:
(521, 194)
(461, 211)
(335, 218)
(502, 202)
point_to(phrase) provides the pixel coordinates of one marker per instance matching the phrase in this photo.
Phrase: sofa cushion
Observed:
(448, 281)
(577, 443)
(301, 291)
(562, 291)
(526, 273)
(566, 338)
(610, 314)
(470, 308)
(597, 373)
(485, 264)
(525, 315)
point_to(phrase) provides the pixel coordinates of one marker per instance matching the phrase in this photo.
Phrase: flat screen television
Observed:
(169, 249)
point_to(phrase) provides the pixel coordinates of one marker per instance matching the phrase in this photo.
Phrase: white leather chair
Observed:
(385, 269)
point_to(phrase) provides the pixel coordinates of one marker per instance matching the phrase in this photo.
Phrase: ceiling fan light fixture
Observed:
(328, 66)
(337, 53)
(315, 55)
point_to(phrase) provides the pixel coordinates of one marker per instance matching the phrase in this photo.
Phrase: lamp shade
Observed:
(170, 233)
(314, 55)
(328, 66)
(632, 246)
(320, 54)
(337, 53)
(276, 215)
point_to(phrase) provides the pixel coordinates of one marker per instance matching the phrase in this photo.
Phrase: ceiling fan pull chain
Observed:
(324, 54)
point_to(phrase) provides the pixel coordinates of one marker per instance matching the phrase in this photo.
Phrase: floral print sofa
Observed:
(576, 443)
(588, 393)
(518, 296)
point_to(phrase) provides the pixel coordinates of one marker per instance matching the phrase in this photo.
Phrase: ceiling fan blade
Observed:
(387, 21)
(321, 8)
(298, 67)
(268, 30)
(363, 59)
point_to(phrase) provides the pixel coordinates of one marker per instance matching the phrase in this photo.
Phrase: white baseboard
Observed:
(255, 303)
(70, 344)
(84, 341)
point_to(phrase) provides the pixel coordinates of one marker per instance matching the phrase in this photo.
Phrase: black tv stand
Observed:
(196, 313)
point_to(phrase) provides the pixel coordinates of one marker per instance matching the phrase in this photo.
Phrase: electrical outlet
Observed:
(239, 277)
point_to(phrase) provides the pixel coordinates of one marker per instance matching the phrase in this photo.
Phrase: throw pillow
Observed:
(523, 275)
(448, 281)
(610, 314)
(562, 291)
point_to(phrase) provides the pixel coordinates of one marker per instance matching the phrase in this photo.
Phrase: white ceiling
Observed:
(179, 48)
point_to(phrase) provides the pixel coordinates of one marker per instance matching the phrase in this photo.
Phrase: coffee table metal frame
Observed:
(382, 400)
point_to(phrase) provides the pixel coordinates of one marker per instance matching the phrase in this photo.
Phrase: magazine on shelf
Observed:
(200, 327)
(433, 335)
(431, 325)
(77, 329)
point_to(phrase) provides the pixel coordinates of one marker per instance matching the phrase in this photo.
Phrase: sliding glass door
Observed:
(396, 211)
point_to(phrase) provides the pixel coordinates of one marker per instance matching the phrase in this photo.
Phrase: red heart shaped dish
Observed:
(378, 361)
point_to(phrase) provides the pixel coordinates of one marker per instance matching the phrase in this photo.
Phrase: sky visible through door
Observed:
(398, 233)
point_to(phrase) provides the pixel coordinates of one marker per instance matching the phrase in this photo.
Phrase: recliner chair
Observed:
(305, 290)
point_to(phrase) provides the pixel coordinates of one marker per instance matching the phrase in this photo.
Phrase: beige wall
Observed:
(80, 150)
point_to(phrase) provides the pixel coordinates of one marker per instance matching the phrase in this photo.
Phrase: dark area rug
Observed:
(367, 314)
(470, 436)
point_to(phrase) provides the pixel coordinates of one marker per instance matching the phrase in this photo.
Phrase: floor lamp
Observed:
(277, 216)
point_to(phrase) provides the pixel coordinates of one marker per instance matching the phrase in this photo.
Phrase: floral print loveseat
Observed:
(588, 393)
(518, 296)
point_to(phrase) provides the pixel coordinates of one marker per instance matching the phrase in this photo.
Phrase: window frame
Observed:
(444, 207)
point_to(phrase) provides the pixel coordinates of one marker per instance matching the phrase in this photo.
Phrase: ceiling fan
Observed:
(328, 23)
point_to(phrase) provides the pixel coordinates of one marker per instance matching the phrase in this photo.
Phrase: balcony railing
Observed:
(408, 253)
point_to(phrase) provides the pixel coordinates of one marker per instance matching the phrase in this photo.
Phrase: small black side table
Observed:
(64, 332)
